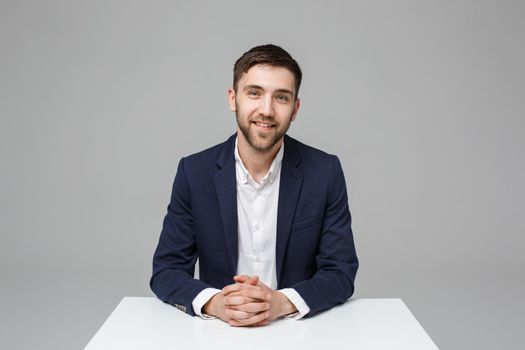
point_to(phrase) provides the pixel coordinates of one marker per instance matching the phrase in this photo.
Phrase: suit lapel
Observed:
(226, 188)
(289, 190)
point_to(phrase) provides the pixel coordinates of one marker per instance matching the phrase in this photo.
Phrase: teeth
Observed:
(264, 125)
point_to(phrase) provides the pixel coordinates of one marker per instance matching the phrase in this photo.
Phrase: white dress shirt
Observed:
(257, 204)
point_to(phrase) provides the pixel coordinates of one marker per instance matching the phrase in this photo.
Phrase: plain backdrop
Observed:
(423, 102)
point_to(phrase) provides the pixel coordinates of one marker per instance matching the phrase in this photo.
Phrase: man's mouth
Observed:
(263, 125)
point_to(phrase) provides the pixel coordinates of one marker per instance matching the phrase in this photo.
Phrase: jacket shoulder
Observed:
(210, 156)
(310, 154)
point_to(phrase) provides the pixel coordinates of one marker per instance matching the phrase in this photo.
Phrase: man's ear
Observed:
(231, 99)
(297, 105)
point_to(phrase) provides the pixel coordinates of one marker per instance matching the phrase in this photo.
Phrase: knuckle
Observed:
(257, 307)
(242, 322)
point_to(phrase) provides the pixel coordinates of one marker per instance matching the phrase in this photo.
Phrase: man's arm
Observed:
(336, 260)
(174, 259)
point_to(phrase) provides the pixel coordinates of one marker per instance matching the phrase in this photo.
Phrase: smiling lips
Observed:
(263, 125)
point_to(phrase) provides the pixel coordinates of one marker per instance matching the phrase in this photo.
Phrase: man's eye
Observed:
(282, 97)
(253, 93)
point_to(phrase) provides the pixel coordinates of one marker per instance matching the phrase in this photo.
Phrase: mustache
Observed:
(268, 120)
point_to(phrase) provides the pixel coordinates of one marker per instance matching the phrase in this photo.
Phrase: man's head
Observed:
(264, 96)
(267, 55)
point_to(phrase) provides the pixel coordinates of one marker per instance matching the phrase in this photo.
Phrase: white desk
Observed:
(148, 323)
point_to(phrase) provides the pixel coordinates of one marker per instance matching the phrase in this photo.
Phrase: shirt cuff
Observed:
(202, 298)
(297, 301)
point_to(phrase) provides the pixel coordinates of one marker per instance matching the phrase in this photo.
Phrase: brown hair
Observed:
(270, 55)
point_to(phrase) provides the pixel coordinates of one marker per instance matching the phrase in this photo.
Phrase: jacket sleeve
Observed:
(176, 254)
(336, 259)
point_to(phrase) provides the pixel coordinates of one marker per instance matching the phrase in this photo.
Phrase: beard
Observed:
(262, 141)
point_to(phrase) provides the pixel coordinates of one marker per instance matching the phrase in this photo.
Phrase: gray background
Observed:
(421, 100)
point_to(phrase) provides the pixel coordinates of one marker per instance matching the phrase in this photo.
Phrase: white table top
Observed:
(148, 323)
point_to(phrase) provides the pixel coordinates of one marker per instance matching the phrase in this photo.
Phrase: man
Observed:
(266, 215)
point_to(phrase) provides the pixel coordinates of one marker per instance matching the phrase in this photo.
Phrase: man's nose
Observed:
(267, 106)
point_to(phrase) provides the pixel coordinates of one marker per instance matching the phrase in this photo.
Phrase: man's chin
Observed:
(261, 141)
(265, 146)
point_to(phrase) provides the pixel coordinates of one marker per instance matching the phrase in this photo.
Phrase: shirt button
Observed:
(257, 227)
(257, 259)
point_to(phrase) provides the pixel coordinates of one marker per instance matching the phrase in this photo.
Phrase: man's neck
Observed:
(257, 163)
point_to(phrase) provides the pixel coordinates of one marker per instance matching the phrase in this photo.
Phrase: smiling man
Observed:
(266, 215)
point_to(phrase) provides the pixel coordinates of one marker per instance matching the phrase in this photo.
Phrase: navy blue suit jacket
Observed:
(315, 251)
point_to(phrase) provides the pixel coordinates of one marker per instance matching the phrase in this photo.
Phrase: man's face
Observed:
(265, 105)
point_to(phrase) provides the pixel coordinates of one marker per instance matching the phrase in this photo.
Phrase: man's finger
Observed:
(255, 294)
(254, 280)
(235, 300)
(249, 321)
(231, 288)
(245, 299)
(239, 315)
(251, 307)
(241, 278)
(237, 287)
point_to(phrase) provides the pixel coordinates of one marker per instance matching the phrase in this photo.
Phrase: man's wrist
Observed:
(209, 308)
(298, 303)
(201, 299)
(287, 307)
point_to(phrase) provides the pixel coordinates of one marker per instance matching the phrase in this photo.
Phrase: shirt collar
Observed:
(244, 176)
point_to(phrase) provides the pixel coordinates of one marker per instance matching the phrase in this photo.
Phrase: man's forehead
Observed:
(269, 76)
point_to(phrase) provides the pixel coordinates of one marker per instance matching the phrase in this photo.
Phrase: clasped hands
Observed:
(248, 302)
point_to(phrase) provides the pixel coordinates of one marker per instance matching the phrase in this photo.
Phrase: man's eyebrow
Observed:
(252, 87)
(258, 87)
(284, 91)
